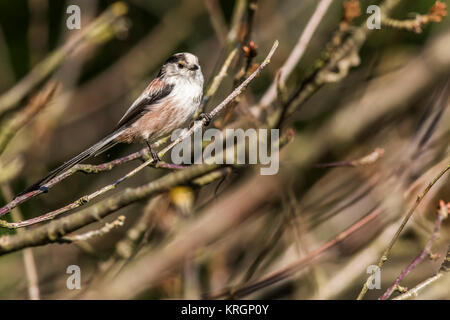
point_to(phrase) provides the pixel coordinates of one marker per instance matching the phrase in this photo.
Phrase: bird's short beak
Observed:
(194, 67)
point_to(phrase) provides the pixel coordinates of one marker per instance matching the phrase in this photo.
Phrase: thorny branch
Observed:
(95, 233)
(53, 231)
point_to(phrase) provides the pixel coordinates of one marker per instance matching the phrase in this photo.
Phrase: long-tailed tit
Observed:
(169, 102)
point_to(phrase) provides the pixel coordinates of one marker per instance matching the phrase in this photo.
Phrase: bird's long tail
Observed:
(101, 146)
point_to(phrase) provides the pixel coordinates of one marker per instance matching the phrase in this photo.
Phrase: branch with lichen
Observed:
(437, 12)
(54, 230)
(197, 175)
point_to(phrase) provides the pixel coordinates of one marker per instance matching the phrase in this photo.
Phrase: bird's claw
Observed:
(155, 156)
(44, 189)
(206, 117)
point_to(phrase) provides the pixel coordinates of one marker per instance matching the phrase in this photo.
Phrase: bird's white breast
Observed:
(186, 97)
(174, 111)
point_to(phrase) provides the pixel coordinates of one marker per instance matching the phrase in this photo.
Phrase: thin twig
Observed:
(298, 51)
(368, 159)
(217, 81)
(95, 233)
(385, 255)
(443, 272)
(54, 230)
(142, 154)
(85, 168)
(442, 214)
(217, 20)
(436, 13)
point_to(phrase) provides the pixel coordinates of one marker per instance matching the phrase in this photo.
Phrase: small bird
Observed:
(169, 102)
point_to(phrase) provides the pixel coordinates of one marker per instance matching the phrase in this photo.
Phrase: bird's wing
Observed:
(156, 90)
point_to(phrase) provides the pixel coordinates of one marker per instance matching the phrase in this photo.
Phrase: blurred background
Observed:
(395, 98)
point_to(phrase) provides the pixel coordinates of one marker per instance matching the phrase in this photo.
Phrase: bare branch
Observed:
(298, 51)
(95, 233)
(443, 273)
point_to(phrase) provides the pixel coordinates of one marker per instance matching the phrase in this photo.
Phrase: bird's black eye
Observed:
(180, 66)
